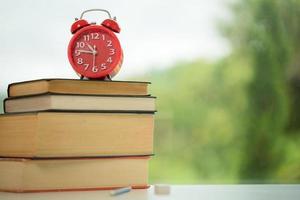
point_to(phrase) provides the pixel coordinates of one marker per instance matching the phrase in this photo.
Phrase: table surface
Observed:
(185, 192)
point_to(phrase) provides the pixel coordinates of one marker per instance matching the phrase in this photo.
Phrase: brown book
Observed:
(51, 101)
(66, 134)
(73, 86)
(38, 175)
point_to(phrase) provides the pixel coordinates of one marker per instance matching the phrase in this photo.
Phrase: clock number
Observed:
(79, 61)
(77, 53)
(103, 66)
(109, 43)
(109, 60)
(80, 44)
(86, 38)
(111, 51)
(95, 69)
(95, 36)
(86, 66)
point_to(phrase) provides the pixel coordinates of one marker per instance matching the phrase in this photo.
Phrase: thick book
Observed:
(75, 86)
(75, 134)
(52, 101)
(38, 175)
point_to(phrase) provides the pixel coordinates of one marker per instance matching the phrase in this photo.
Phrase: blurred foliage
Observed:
(197, 122)
(238, 119)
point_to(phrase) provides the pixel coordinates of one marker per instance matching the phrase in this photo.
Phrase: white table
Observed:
(185, 192)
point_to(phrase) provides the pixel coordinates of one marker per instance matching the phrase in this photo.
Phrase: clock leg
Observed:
(108, 78)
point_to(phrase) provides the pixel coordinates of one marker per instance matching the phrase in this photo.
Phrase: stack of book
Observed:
(64, 134)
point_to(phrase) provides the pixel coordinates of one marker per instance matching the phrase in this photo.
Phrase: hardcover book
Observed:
(37, 175)
(75, 134)
(51, 101)
(75, 86)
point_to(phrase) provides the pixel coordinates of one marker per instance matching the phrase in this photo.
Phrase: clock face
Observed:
(95, 52)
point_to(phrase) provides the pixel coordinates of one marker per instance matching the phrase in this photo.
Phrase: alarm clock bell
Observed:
(108, 23)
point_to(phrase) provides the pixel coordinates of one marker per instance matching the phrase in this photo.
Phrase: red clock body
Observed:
(95, 51)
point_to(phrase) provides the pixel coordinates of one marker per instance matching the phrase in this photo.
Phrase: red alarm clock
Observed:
(94, 50)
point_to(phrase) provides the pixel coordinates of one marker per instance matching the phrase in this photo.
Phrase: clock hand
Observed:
(90, 47)
(94, 55)
(85, 51)
(94, 58)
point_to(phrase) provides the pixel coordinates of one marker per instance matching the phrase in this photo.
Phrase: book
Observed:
(75, 86)
(51, 101)
(75, 134)
(38, 175)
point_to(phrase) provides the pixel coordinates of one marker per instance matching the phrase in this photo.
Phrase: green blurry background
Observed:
(234, 120)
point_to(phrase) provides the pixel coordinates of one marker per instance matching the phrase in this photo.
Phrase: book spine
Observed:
(8, 90)
(4, 105)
